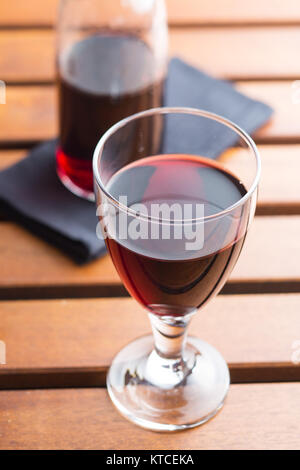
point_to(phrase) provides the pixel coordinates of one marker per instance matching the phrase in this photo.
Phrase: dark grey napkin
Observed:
(31, 194)
(189, 87)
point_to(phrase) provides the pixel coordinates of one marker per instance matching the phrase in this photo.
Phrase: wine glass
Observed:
(111, 63)
(176, 190)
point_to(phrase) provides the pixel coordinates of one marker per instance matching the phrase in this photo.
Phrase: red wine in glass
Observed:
(162, 274)
(102, 79)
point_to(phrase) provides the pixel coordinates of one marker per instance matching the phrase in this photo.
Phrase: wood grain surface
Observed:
(72, 342)
(31, 268)
(62, 348)
(255, 416)
(231, 12)
(277, 195)
(233, 53)
(27, 106)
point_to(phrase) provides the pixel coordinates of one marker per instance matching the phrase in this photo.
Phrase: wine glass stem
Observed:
(170, 335)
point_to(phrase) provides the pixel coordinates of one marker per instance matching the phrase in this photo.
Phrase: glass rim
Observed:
(176, 110)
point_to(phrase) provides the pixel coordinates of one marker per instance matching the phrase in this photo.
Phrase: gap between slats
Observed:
(117, 290)
(96, 377)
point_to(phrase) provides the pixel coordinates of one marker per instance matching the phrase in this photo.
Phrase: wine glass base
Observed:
(73, 188)
(164, 394)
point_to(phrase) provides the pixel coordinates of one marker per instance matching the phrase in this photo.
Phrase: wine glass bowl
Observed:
(174, 212)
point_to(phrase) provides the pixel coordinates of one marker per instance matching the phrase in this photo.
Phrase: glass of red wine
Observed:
(176, 190)
(111, 63)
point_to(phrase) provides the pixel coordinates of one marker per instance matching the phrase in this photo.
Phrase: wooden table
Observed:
(60, 323)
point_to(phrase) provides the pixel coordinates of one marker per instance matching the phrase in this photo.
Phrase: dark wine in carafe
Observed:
(102, 79)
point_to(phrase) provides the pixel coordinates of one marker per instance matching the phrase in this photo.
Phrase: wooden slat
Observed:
(35, 12)
(27, 55)
(72, 342)
(234, 53)
(277, 194)
(254, 417)
(10, 157)
(240, 53)
(30, 113)
(29, 261)
(271, 200)
(32, 269)
(285, 125)
(271, 241)
(233, 12)
(28, 12)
